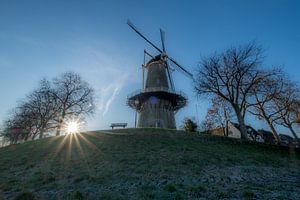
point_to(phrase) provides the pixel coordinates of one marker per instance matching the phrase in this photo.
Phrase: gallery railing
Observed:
(157, 89)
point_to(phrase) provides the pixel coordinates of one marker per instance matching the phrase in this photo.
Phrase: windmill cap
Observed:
(155, 59)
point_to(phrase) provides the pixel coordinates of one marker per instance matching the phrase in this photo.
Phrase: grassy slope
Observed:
(147, 164)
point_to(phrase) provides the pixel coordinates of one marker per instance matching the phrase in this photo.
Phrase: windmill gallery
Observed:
(157, 101)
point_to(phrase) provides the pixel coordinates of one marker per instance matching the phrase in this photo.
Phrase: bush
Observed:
(189, 125)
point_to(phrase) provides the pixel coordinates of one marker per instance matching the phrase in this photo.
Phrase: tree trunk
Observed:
(33, 136)
(242, 125)
(274, 132)
(58, 128)
(226, 122)
(41, 133)
(26, 137)
(294, 133)
(269, 121)
(60, 122)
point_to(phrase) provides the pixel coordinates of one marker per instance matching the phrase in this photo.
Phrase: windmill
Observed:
(157, 101)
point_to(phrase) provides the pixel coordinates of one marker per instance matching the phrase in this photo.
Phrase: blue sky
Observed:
(46, 38)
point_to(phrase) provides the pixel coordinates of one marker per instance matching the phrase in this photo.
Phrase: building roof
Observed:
(250, 130)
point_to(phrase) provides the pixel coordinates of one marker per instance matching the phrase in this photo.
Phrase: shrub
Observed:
(189, 125)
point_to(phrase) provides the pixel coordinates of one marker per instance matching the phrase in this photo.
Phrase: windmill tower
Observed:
(157, 101)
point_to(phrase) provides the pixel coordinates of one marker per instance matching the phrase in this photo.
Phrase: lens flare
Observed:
(72, 127)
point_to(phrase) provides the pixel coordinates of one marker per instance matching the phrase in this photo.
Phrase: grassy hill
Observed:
(147, 164)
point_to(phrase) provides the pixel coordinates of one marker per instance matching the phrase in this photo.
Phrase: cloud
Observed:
(109, 93)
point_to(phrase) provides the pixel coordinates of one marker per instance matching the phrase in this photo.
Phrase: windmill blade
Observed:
(169, 76)
(140, 34)
(162, 38)
(148, 54)
(182, 69)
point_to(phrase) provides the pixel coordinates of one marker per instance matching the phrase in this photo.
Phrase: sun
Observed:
(72, 127)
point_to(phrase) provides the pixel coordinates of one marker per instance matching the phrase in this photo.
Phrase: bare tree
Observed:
(42, 104)
(34, 115)
(18, 126)
(9, 134)
(74, 97)
(203, 127)
(219, 114)
(231, 76)
(287, 105)
(264, 94)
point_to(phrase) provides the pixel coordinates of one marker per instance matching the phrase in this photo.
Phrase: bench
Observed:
(118, 125)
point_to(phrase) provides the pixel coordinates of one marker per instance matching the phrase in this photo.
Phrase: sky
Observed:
(43, 39)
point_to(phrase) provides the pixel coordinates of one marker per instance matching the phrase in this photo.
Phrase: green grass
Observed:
(147, 164)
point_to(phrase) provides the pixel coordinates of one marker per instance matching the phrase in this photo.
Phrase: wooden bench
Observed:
(118, 125)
